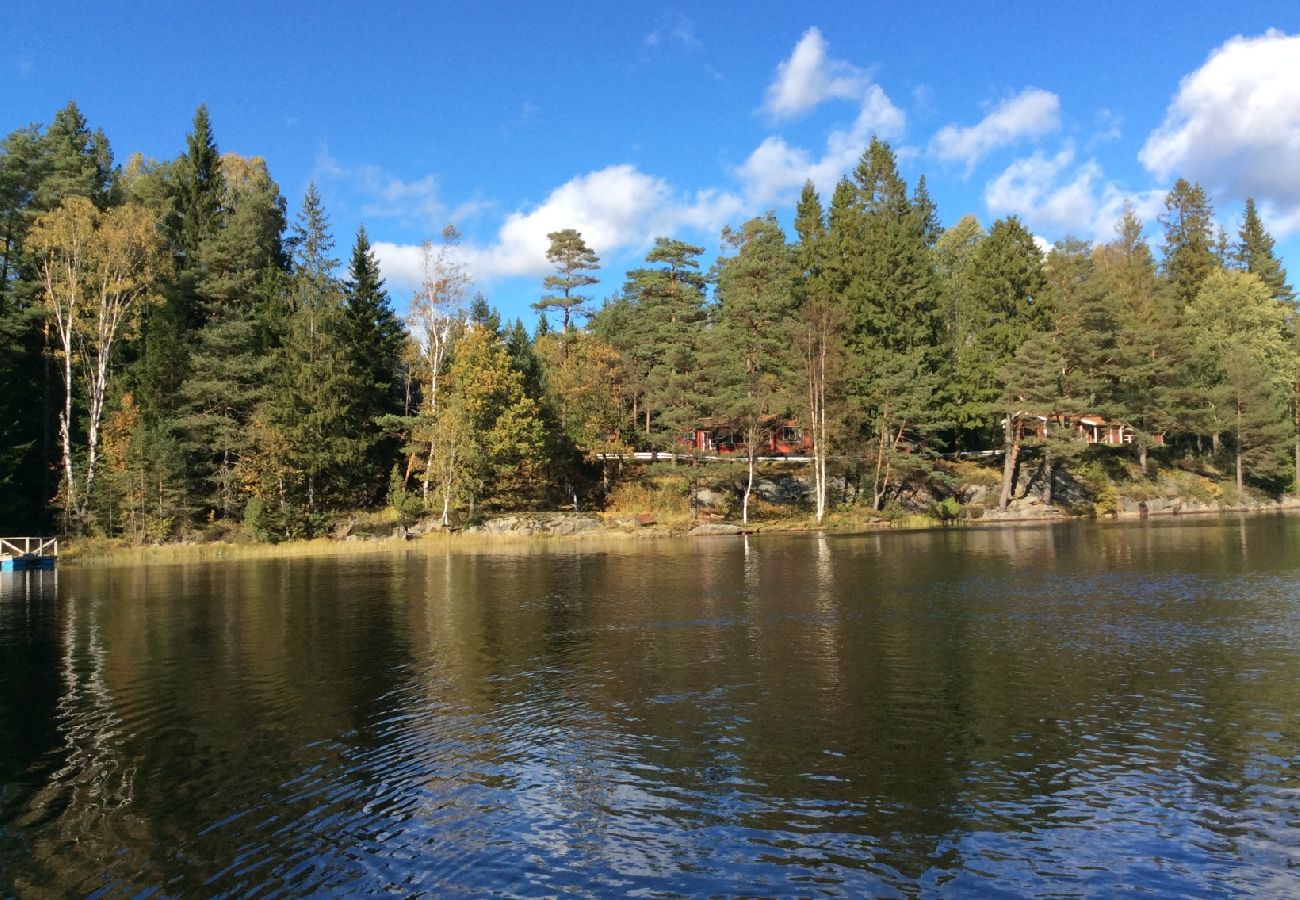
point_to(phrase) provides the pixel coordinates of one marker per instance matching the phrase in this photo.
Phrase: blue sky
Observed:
(631, 120)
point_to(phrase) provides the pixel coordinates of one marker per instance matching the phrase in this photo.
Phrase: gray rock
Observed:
(716, 528)
(710, 498)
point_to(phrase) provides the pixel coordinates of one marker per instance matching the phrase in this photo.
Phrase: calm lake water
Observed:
(1087, 709)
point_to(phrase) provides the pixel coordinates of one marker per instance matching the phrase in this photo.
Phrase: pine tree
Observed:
(196, 190)
(656, 328)
(1150, 344)
(78, 163)
(1242, 358)
(195, 215)
(751, 356)
(1007, 303)
(573, 260)
(1085, 325)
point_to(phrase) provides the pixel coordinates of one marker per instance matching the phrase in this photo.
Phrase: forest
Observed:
(180, 357)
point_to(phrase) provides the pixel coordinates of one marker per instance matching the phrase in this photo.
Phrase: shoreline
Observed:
(99, 553)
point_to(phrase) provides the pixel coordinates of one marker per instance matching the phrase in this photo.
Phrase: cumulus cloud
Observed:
(776, 169)
(621, 209)
(1234, 126)
(1031, 113)
(1056, 197)
(616, 208)
(808, 78)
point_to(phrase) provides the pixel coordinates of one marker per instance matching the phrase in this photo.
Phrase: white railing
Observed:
(29, 546)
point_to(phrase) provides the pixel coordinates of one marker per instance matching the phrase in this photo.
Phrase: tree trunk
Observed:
(749, 484)
(1142, 457)
(876, 492)
(1010, 459)
(1049, 475)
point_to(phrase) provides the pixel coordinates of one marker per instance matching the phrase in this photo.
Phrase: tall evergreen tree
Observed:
(1243, 359)
(573, 261)
(1150, 346)
(893, 314)
(194, 215)
(658, 332)
(1188, 221)
(78, 162)
(1006, 304)
(821, 321)
(231, 364)
(751, 342)
(376, 338)
(313, 434)
(1254, 253)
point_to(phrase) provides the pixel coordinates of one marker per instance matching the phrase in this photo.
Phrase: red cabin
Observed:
(783, 437)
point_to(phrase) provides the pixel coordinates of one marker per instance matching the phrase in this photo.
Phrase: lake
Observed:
(1091, 708)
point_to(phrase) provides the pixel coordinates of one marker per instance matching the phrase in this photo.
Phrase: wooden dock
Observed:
(21, 554)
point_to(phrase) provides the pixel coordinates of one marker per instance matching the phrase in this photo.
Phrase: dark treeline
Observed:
(178, 356)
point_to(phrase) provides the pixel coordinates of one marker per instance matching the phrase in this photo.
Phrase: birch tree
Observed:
(820, 323)
(98, 271)
(437, 317)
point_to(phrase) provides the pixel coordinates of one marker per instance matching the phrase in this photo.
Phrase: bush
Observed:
(405, 504)
(946, 510)
(1105, 497)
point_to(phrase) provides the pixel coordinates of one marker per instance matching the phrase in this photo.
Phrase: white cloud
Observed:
(1055, 197)
(621, 208)
(808, 78)
(1031, 113)
(775, 169)
(1234, 126)
(616, 208)
(674, 28)
(378, 194)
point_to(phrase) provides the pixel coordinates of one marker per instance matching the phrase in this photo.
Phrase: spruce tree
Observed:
(230, 368)
(1254, 253)
(194, 189)
(893, 314)
(376, 338)
(311, 414)
(1188, 221)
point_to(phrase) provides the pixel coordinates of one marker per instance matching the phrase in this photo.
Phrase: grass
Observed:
(115, 552)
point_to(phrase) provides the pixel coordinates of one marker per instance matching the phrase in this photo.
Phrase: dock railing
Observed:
(29, 546)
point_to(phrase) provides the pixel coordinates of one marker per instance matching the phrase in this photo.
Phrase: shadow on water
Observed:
(1089, 708)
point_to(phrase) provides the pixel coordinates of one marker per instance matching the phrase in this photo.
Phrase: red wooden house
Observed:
(1090, 428)
(781, 437)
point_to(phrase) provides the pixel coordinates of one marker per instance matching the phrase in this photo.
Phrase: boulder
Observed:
(710, 498)
(710, 528)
